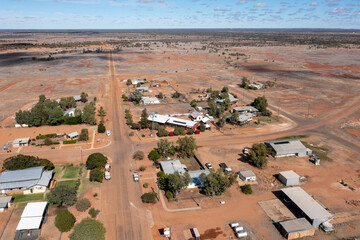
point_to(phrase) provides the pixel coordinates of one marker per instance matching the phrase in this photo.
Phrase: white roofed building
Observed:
(19, 142)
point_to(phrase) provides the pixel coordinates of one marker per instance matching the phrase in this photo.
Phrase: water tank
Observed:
(241, 234)
(233, 225)
(238, 229)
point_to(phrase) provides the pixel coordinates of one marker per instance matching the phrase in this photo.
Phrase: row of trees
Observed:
(25, 161)
(47, 112)
(96, 163)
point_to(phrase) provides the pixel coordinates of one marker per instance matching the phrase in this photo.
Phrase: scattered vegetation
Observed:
(138, 155)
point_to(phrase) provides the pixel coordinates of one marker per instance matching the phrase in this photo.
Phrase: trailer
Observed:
(234, 225)
(238, 229)
(241, 234)
(195, 233)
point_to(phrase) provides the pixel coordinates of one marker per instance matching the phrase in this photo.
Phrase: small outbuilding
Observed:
(143, 89)
(289, 147)
(296, 228)
(70, 113)
(73, 135)
(5, 202)
(246, 109)
(196, 116)
(150, 100)
(20, 142)
(77, 98)
(289, 178)
(247, 175)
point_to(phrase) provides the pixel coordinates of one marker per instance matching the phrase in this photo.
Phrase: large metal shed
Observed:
(289, 178)
(289, 147)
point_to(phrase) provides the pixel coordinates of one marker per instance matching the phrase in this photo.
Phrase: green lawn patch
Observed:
(270, 119)
(70, 183)
(71, 172)
(28, 197)
(321, 152)
(58, 171)
(69, 142)
(293, 137)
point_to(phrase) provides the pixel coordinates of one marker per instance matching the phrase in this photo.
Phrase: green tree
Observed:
(186, 147)
(193, 103)
(101, 114)
(42, 98)
(234, 119)
(93, 212)
(84, 135)
(163, 180)
(169, 195)
(24, 161)
(161, 95)
(215, 94)
(258, 155)
(179, 131)
(246, 189)
(88, 115)
(56, 116)
(149, 197)
(245, 83)
(88, 229)
(128, 82)
(202, 127)
(48, 142)
(135, 96)
(83, 97)
(68, 102)
(226, 104)
(96, 160)
(221, 122)
(225, 90)
(128, 117)
(62, 195)
(96, 175)
(144, 122)
(176, 94)
(22, 117)
(162, 132)
(260, 103)
(101, 128)
(165, 148)
(83, 205)
(64, 220)
(190, 131)
(37, 115)
(138, 155)
(177, 182)
(154, 155)
(215, 183)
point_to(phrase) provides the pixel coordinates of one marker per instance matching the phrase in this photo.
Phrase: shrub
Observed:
(24, 161)
(48, 142)
(131, 134)
(146, 185)
(82, 205)
(246, 189)
(149, 197)
(62, 195)
(162, 132)
(169, 195)
(190, 131)
(96, 160)
(136, 126)
(138, 155)
(101, 128)
(154, 155)
(84, 135)
(96, 175)
(64, 220)
(193, 103)
(69, 141)
(179, 131)
(142, 168)
(88, 229)
(93, 212)
(95, 195)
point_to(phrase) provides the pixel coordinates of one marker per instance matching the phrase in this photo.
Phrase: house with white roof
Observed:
(32, 218)
(73, 135)
(150, 100)
(19, 142)
(29, 180)
(196, 116)
(163, 119)
(70, 113)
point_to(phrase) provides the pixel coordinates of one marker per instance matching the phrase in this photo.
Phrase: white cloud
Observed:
(314, 4)
(260, 5)
(241, 2)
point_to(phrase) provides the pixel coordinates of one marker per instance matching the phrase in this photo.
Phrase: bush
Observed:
(64, 220)
(96, 160)
(48, 142)
(246, 189)
(169, 195)
(142, 168)
(93, 212)
(131, 134)
(162, 132)
(23, 161)
(138, 155)
(101, 128)
(136, 126)
(190, 131)
(88, 229)
(62, 195)
(96, 175)
(83, 205)
(51, 135)
(193, 103)
(154, 155)
(146, 185)
(149, 197)
(179, 131)
(69, 141)
(84, 135)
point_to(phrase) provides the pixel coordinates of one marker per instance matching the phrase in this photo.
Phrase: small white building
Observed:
(31, 220)
(247, 175)
(150, 100)
(289, 178)
(256, 85)
(20, 142)
(73, 135)
(5, 202)
(142, 89)
(70, 113)
(246, 109)
(196, 116)
(77, 98)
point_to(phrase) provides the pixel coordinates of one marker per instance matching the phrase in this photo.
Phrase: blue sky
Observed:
(140, 14)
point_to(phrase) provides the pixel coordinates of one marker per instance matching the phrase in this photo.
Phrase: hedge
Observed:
(51, 135)
(69, 142)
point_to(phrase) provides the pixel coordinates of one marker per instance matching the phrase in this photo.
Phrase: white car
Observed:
(208, 165)
(136, 177)
(108, 132)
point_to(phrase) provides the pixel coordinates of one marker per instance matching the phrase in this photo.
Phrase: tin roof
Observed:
(296, 225)
(172, 166)
(289, 174)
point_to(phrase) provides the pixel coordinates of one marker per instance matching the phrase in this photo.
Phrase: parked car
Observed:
(108, 132)
(107, 175)
(136, 177)
(246, 150)
(208, 165)
(225, 167)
